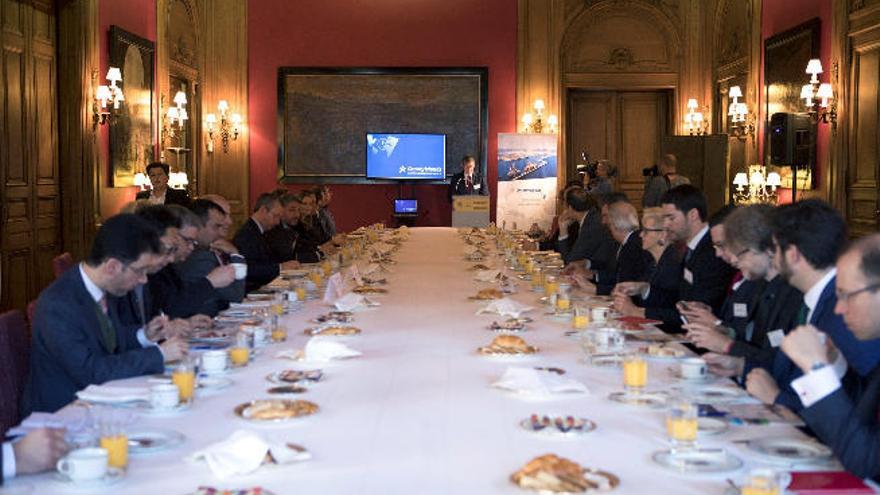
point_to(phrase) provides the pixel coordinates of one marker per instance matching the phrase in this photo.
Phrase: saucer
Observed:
(114, 475)
(698, 460)
(653, 400)
(148, 441)
(676, 373)
(171, 411)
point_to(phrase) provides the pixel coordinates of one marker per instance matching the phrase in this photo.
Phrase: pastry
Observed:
(508, 344)
(511, 324)
(486, 294)
(478, 267)
(661, 350)
(333, 330)
(554, 474)
(365, 289)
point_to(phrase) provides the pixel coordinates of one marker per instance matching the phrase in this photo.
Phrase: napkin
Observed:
(352, 301)
(505, 307)
(538, 382)
(320, 348)
(73, 419)
(243, 452)
(113, 395)
(486, 275)
(334, 289)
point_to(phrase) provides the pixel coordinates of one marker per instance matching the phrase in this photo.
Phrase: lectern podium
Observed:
(470, 211)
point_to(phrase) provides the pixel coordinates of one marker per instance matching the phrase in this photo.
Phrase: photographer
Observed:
(661, 178)
(599, 179)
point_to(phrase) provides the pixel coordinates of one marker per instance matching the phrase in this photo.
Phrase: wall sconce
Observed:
(819, 97)
(102, 110)
(175, 115)
(141, 180)
(756, 187)
(178, 180)
(535, 125)
(230, 125)
(741, 122)
(694, 122)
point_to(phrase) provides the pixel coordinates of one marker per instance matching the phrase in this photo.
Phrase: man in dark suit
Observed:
(206, 258)
(283, 237)
(161, 194)
(251, 242)
(468, 181)
(36, 452)
(809, 235)
(581, 209)
(846, 422)
(631, 262)
(77, 338)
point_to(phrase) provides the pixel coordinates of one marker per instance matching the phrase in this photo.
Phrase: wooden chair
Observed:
(62, 263)
(15, 355)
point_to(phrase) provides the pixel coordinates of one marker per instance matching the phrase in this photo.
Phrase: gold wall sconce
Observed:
(108, 98)
(818, 96)
(535, 123)
(229, 126)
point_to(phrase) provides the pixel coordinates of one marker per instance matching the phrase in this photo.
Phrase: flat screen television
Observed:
(406, 206)
(406, 156)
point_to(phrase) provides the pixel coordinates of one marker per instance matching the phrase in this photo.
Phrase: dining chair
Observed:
(15, 357)
(62, 263)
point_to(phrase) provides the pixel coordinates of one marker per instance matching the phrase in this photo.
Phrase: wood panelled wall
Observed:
(30, 205)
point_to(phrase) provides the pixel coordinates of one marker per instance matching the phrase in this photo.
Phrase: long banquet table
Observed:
(416, 414)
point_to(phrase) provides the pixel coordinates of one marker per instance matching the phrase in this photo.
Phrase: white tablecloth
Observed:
(416, 413)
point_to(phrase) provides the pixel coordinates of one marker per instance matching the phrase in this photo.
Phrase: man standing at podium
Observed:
(468, 181)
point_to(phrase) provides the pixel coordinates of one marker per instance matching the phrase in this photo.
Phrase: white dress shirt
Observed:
(8, 461)
(695, 240)
(97, 294)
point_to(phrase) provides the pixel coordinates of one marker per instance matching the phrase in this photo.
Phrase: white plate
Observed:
(711, 426)
(698, 460)
(605, 360)
(714, 395)
(675, 372)
(583, 426)
(172, 411)
(153, 440)
(654, 400)
(114, 475)
(790, 449)
(214, 382)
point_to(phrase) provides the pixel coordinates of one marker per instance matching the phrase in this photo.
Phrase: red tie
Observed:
(103, 303)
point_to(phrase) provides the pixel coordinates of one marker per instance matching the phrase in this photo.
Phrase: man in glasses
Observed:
(78, 339)
(846, 422)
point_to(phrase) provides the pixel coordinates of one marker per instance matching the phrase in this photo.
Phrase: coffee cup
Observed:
(260, 335)
(214, 361)
(164, 396)
(84, 464)
(693, 368)
(599, 314)
(240, 270)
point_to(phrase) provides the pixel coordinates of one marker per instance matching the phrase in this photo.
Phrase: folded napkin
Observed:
(352, 301)
(539, 383)
(320, 348)
(113, 395)
(505, 307)
(335, 288)
(243, 452)
(486, 275)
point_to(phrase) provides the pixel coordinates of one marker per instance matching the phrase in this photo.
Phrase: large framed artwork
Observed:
(785, 61)
(131, 133)
(325, 114)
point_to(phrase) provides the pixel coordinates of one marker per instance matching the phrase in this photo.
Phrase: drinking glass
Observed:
(763, 482)
(112, 425)
(241, 352)
(635, 373)
(581, 319)
(681, 424)
(184, 376)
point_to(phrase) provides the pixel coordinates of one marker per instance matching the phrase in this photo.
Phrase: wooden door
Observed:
(863, 167)
(625, 127)
(29, 203)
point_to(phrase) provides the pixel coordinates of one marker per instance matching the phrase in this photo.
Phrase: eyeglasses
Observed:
(654, 230)
(744, 251)
(190, 240)
(139, 271)
(168, 249)
(844, 297)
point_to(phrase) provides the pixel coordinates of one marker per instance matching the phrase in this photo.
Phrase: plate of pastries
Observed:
(479, 267)
(487, 295)
(509, 325)
(334, 330)
(368, 289)
(275, 410)
(507, 345)
(550, 473)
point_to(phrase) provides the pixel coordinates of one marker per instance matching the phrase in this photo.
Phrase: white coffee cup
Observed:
(259, 333)
(84, 464)
(692, 368)
(290, 296)
(164, 396)
(599, 314)
(240, 270)
(214, 361)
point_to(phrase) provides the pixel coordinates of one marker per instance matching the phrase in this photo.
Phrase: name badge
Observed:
(740, 310)
(688, 276)
(477, 187)
(775, 337)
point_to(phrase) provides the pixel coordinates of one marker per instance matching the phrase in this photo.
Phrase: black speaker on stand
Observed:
(792, 144)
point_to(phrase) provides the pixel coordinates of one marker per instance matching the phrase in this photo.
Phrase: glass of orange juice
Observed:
(279, 334)
(635, 373)
(581, 318)
(316, 277)
(240, 353)
(551, 285)
(114, 439)
(300, 292)
(327, 268)
(763, 482)
(184, 376)
(681, 424)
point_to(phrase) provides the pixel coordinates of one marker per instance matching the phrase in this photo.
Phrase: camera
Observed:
(587, 166)
(652, 171)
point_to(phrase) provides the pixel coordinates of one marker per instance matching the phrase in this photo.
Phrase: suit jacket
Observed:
(328, 223)
(262, 265)
(310, 236)
(711, 276)
(739, 306)
(591, 235)
(777, 309)
(282, 242)
(172, 196)
(849, 427)
(862, 356)
(665, 282)
(177, 297)
(458, 186)
(196, 267)
(630, 264)
(68, 352)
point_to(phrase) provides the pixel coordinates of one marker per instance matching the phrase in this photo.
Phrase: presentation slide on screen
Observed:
(406, 156)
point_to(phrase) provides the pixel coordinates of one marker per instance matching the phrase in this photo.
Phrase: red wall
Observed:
(778, 16)
(137, 17)
(391, 33)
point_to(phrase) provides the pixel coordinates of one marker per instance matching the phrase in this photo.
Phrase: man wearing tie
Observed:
(468, 181)
(848, 423)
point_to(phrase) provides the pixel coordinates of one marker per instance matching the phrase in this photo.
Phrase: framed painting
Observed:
(131, 133)
(325, 115)
(785, 61)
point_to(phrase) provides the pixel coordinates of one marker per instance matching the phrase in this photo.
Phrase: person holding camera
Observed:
(600, 180)
(661, 178)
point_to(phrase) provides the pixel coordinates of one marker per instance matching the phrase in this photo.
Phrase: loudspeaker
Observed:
(791, 139)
